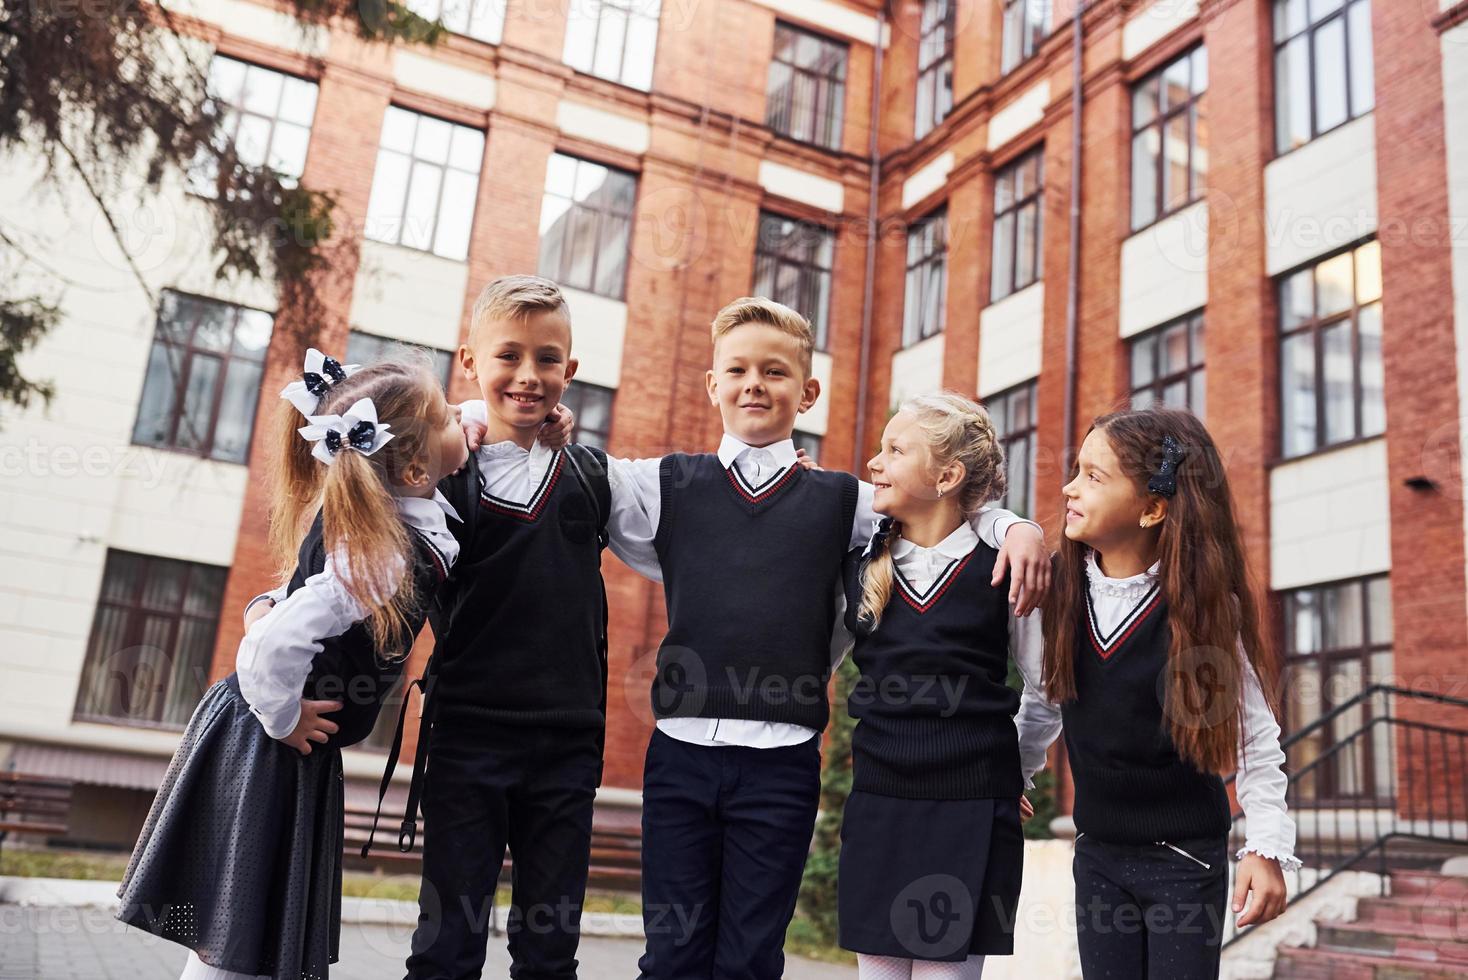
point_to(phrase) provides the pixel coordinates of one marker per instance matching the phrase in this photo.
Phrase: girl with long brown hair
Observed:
(240, 857)
(1154, 652)
(932, 850)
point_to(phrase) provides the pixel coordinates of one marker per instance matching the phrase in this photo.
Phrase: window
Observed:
(1323, 75)
(792, 265)
(425, 184)
(265, 114)
(1018, 214)
(1330, 352)
(807, 89)
(483, 20)
(152, 640)
(1026, 22)
(1338, 641)
(613, 39)
(1167, 366)
(1169, 138)
(364, 348)
(935, 64)
(927, 278)
(593, 407)
(585, 223)
(203, 378)
(1014, 417)
(810, 442)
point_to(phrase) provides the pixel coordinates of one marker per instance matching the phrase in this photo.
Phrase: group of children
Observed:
(1147, 653)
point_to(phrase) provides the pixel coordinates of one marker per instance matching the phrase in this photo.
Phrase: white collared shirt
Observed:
(636, 487)
(1261, 782)
(275, 656)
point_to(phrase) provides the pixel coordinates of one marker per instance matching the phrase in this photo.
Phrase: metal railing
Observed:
(1390, 794)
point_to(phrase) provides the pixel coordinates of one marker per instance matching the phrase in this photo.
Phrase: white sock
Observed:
(882, 967)
(197, 969)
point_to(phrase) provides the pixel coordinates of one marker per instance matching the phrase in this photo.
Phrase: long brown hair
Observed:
(361, 527)
(1212, 607)
(956, 430)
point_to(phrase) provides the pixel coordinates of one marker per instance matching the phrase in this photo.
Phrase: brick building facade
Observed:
(1211, 194)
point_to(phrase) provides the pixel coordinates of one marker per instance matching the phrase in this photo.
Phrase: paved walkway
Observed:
(86, 943)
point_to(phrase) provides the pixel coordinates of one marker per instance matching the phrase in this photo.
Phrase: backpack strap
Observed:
(591, 473)
(463, 492)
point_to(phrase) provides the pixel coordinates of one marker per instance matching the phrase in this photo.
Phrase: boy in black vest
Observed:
(749, 544)
(515, 709)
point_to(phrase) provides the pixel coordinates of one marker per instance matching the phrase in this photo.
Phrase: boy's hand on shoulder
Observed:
(805, 460)
(313, 726)
(1262, 876)
(1028, 563)
(559, 424)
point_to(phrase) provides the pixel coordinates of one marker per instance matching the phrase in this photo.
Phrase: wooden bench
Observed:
(616, 852)
(32, 804)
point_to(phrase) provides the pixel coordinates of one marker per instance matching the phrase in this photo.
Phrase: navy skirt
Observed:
(240, 857)
(929, 879)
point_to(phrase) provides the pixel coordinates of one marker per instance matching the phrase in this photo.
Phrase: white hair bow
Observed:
(358, 429)
(320, 373)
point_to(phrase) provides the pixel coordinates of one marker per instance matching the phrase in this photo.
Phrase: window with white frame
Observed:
(1167, 366)
(613, 39)
(1323, 74)
(425, 184)
(807, 87)
(266, 114)
(364, 348)
(792, 265)
(1013, 415)
(483, 20)
(1169, 138)
(1330, 370)
(592, 406)
(1019, 199)
(935, 64)
(927, 278)
(1026, 22)
(585, 225)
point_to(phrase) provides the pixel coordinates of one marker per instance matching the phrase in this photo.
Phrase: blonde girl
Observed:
(240, 856)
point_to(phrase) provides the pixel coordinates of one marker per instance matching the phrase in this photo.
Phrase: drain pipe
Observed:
(874, 163)
(1073, 283)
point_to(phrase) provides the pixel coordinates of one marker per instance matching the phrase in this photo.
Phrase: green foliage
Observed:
(817, 905)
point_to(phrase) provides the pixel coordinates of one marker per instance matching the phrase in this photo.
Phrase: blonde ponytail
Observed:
(877, 573)
(362, 530)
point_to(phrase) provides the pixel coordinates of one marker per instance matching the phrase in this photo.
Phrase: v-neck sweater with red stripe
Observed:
(750, 577)
(1131, 785)
(935, 718)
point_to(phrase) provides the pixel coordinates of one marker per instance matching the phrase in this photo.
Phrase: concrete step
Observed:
(1444, 920)
(1322, 964)
(1408, 941)
(1441, 887)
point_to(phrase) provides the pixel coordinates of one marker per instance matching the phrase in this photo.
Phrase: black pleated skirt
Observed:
(240, 857)
(929, 879)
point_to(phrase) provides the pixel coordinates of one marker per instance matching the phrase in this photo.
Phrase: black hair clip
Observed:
(879, 539)
(1164, 481)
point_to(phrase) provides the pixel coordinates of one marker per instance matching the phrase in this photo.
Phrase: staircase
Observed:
(1417, 932)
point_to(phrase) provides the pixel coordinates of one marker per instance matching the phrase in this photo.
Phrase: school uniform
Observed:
(517, 716)
(1152, 830)
(240, 856)
(931, 847)
(725, 778)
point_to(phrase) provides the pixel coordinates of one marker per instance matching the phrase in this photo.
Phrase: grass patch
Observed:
(81, 865)
(803, 938)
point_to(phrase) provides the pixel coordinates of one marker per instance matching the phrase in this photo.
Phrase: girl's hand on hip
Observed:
(1262, 876)
(313, 727)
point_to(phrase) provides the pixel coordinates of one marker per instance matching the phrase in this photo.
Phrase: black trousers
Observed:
(1151, 910)
(488, 786)
(725, 831)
